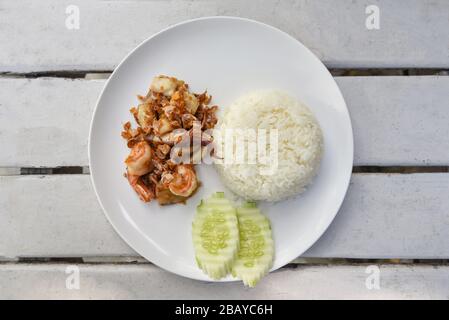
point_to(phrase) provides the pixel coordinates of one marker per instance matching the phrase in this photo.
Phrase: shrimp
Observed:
(168, 138)
(162, 150)
(170, 120)
(139, 160)
(188, 120)
(143, 191)
(144, 116)
(165, 196)
(191, 102)
(162, 126)
(184, 181)
(165, 85)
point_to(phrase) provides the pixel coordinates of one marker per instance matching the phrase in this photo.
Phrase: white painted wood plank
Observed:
(396, 120)
(390, 216)
(45, 122)
(412, 33)
(383, 216)
(55, 215)
(149, 282)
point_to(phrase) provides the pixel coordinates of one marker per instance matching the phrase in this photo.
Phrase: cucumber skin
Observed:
(251, 275)
(217, 269)
(216, 265)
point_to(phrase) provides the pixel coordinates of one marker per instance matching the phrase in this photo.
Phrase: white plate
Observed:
(228, 56)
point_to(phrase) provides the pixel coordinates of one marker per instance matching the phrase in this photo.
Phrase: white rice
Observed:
(300, 146)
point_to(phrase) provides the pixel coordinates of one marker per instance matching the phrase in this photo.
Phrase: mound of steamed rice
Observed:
(300, 146)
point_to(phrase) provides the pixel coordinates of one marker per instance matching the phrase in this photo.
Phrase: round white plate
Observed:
(228, 56)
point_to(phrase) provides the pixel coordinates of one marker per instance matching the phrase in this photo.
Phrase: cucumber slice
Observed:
(255, 256)
(215, 235)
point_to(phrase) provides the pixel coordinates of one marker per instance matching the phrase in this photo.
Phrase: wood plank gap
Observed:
(376, 72)
(340, 72)
(360, 261)
(69, 74)
(295, 263)
(400, 169)
(11, 171)
(31, 260)
(55, 170)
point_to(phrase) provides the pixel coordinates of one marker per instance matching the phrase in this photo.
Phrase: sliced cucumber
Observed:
(215, 235)
(255, 256)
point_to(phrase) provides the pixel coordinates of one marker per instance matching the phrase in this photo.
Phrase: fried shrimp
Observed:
(139, 159)
(144, 116)
(143, 191)
(166, 116)
(184, 181)
(165, 85)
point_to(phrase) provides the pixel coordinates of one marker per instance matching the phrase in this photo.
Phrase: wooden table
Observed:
(395, 215)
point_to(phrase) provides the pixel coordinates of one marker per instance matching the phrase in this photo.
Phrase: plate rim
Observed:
(218, 17)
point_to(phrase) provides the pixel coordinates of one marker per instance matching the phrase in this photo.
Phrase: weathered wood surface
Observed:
(36, 281)
(383, 216)
(396, 120)
(412, 33)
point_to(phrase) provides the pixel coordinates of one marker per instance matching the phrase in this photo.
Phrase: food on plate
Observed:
(256, 252)
(168, 114)
(215, 235)
(228, 240)
(299, 140)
